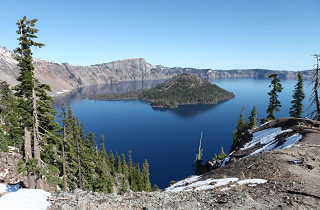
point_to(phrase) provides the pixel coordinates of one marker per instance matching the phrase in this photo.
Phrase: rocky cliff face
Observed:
(65, 77)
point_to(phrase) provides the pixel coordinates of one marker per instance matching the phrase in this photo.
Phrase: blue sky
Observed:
(216, 34)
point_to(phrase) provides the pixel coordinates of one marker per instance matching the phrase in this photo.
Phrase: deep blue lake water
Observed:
(169, 138)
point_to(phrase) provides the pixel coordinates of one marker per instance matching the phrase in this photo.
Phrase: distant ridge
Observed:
(62, 77)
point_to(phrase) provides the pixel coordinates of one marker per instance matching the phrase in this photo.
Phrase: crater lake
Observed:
(169, 138)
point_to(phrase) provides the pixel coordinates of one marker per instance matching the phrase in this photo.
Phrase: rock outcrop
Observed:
(8, 166)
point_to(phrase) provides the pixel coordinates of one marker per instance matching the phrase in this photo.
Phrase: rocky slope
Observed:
(65, 77)
(284, 177)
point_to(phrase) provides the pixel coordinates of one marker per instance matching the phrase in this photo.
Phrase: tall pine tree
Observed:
(241, 127)
(34, 103)
(298, 95)
(146, 176)
(274, 103)
(253, 120)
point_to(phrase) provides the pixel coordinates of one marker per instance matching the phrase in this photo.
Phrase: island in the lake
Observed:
(181, 89)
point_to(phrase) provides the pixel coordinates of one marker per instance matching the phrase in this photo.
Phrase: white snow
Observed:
(194, 184)
(25, 199)
(290, 141)
(264, 137)
(267, 139)
(179, 186)
(252, 181)
(225, 161)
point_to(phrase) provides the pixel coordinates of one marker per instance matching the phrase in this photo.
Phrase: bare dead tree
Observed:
(314, 99)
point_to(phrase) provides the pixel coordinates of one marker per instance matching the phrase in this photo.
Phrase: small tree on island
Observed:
(298, 95)
(274, 103)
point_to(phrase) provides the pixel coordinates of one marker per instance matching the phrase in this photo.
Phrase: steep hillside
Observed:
(65, 77)
(284, 176)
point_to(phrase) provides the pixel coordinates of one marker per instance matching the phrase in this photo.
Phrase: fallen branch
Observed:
(57, 199)
(310, 127)
(309, 145)
(2, 194)
(303, 193)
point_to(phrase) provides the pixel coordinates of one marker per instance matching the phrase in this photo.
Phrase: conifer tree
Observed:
(253, 121)
(241, 127)
(35, 104)
(146, 176)
(125, 168)
(103, 180)
(298, 95)
(155, 188)
(103, 149)
(222, 155)
(112, 163)
(25, 88)
(12, 132)
(138, 177)
(64, 136)
(89, 162)
(274, 103)
(118, 164)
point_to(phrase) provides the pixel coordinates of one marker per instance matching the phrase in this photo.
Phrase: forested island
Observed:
(181, 89)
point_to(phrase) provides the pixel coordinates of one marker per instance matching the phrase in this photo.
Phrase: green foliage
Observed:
(274, 103)
(298, 95)
(240, 129)
(222, 155)
(155, 188)
(118, 164)
(182, 89)
(69, 147)
(112, 162)
(10, 130)
(146, 185)
(125, 168)
(253, 120)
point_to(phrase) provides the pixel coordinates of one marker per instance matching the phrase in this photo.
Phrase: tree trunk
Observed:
(31, 181)
(64, 160)
(36, 137)
(27, 144)
(79, 164)
(316, 95)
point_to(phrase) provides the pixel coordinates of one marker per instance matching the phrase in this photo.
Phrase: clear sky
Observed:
(216, 34)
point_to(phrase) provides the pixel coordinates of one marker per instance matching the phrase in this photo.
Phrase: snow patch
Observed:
(25, 199)
(290, 141)
(225, 161)
(179, 186)
(267, 138)
(264, 137)
(251, 181)
(192, 184)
